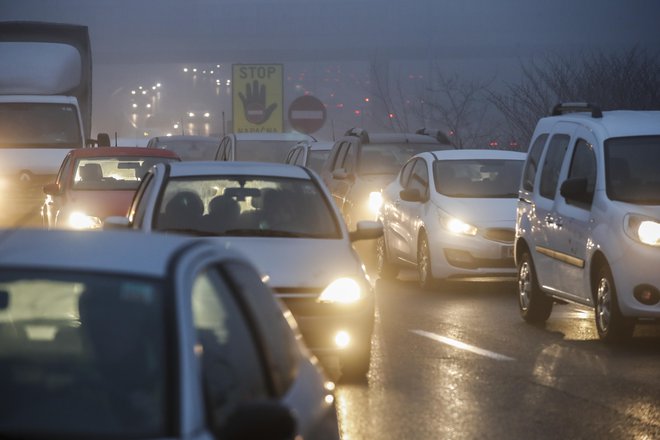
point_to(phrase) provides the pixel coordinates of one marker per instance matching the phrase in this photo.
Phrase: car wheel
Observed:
(424, 273)
(355, 366)
(612, 326)
(386, 269)
(535, 306)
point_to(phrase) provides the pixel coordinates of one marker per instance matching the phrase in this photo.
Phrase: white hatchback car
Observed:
(588, 224)
(451, 214)
(283, 219)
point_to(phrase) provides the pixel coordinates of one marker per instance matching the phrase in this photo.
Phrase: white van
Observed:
(588, 217)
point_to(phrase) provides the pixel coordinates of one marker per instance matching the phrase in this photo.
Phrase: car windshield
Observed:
(247, 206)
(39, 125)
(389, 158)
(264, 150)
(113, 173)
(83, 356)
(316, 159)
(192, 149)
(631, 169)
(478, 178)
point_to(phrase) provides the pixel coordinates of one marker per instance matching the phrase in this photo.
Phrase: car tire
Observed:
(424, 265)
(385, 269)
(355, 366)
(535, 306)
(612, 326)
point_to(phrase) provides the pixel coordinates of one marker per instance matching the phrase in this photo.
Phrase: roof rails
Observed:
(438, 134)
(358, 132)
(573, 107)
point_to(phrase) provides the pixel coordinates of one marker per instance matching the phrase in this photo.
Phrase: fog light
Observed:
(646, 294)
(342, 339)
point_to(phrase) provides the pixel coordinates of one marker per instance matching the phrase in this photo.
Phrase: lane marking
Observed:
(462, 345)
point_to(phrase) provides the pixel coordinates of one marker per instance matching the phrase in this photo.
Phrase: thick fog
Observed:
(328, 48)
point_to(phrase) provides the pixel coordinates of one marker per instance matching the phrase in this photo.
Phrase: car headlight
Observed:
(342, 290)
(456, 225)
(643, 229)
(80, 220)
(375, 201)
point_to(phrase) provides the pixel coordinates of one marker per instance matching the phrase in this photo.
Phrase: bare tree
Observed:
(613, 80)
(461, 107)
(391, 108)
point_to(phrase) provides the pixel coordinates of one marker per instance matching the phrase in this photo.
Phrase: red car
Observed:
(94, 183)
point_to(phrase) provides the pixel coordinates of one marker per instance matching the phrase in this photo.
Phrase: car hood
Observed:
(481, 211)
(298, 262)
(100, 204)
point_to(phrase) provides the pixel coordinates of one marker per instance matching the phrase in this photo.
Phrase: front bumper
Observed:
(319, 323)
(466, 257)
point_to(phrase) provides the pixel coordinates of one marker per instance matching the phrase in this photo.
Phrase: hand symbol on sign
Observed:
(254, 103)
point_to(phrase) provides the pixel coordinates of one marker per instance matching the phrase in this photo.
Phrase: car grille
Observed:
(503, 235)
(303, 302)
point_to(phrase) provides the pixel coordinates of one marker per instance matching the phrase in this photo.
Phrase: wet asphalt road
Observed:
(460, 363)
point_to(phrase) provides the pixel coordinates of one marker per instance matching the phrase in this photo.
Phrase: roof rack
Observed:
(358, 132)
(574, 107)
(438, 134)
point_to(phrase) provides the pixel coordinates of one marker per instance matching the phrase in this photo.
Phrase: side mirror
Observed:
(259, 420)
(575, 189)
(116, 222)
(366, 230)
(411, 195)
(103, 140)
(52, 189)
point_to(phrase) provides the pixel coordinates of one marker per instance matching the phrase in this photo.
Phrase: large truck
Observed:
(45, 110)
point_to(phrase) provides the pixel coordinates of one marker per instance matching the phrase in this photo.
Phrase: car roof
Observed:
(473, 154)
(126, 252)
(615, 123)
(205, 168)
(185, 137)
(316, 145)
(122, 151)
(391, 138)
(290, 136)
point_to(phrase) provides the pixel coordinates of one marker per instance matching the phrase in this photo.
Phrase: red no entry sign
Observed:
(307, 114)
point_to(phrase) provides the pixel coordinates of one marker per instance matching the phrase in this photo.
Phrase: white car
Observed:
(588, 223)
(451, 214)
(258, 147)
(282, 218)
(125, 335)
(311, 154)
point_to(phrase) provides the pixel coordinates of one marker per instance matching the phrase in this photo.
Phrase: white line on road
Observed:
(463, 346)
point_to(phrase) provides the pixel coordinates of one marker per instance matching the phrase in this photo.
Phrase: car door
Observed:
(573, 220)
(55, 202)
(544, 227)
(409, 212)
(391, 214)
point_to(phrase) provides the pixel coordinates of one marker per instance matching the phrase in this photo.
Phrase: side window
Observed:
(341, 154)
(405, 172)
(583, 164)
(420, 177)
(232, 369)
(62, 171)
(350, 158)
(532, 165)
(138, 207)
(552, 165)
(280, 343)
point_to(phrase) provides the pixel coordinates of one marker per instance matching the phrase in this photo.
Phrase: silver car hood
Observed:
(298, 262)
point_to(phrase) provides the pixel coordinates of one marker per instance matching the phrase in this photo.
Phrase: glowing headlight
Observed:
(643, 229)
(342, 290)
(79, 220)
(456, 226)
(375, 201)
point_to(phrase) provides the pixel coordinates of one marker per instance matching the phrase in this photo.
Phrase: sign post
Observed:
(307, 114)
(257, 98)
